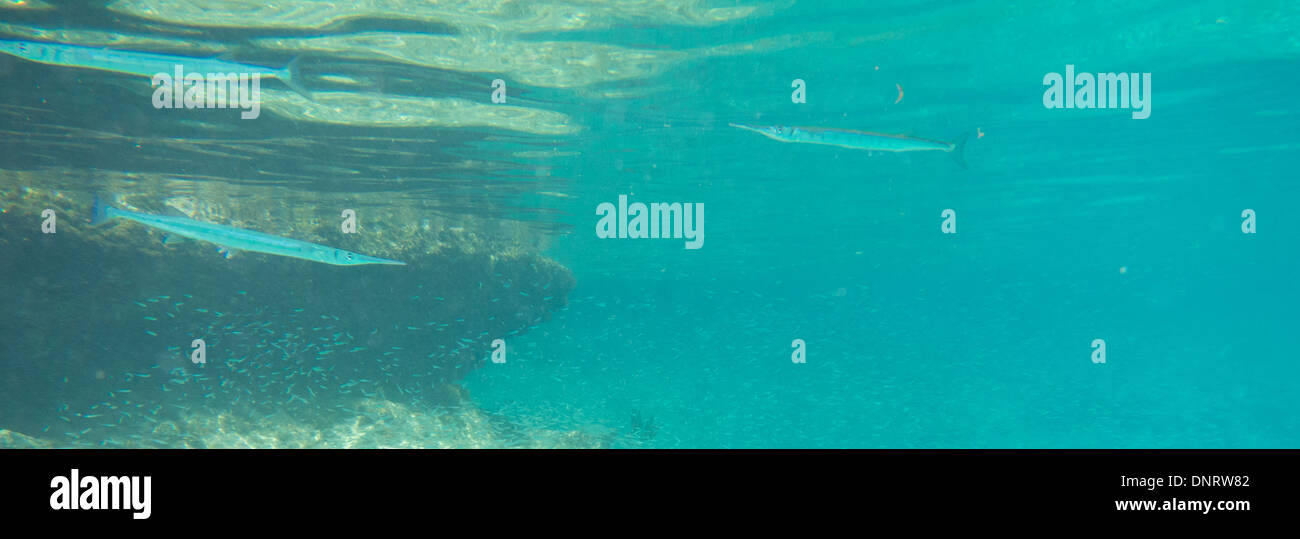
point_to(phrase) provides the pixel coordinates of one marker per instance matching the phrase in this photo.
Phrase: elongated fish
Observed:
(860, 140)
(145, 64)
(232, 239)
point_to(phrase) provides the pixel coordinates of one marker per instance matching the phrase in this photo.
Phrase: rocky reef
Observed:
(100, 322)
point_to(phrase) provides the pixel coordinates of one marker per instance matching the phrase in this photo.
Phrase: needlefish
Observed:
(231, 239)
(861, 140)
(145, 64)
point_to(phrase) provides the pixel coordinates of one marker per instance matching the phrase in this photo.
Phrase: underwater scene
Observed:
(482, 224)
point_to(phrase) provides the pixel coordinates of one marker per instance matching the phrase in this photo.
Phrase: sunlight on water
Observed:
(649, 224)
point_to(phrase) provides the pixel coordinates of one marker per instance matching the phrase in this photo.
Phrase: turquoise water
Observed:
(1071, 225)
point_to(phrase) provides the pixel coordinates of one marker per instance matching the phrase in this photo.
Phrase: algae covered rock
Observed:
(109, 326)
(14, 440)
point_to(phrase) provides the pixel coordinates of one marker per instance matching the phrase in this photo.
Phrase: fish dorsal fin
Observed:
(168, 239)
(173, 211)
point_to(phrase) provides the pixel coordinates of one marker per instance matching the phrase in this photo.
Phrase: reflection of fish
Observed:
(145, 64)
(860, 140)
(232, 239)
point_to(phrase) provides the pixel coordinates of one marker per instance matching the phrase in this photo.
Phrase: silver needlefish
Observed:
(232, 239)
(145, 64)
(860, 140)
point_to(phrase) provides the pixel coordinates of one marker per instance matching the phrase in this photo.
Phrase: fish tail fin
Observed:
(958, 151)
(289, 76)
(99, 212)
